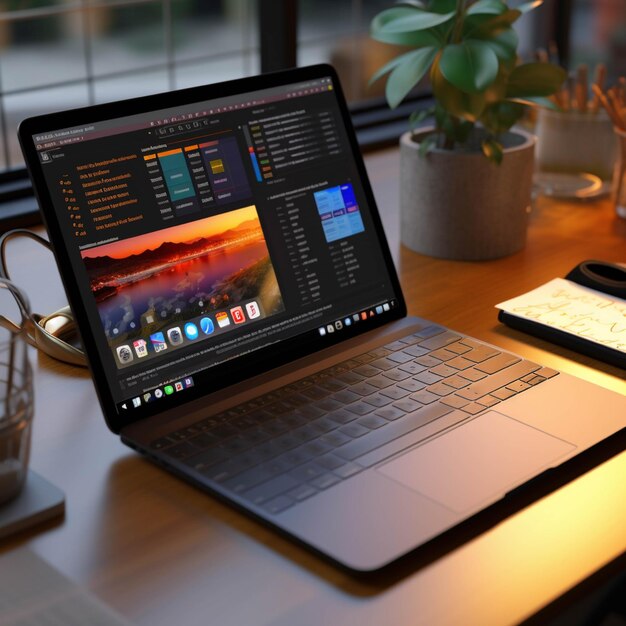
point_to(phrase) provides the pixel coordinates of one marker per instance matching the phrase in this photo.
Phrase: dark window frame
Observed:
(376, 125)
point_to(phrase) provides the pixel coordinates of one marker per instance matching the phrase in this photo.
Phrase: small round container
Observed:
(571, 142)
(619, 179)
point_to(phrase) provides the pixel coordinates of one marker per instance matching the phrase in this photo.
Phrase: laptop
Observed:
(222, 252)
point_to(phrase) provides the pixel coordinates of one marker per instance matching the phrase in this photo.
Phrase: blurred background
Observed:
(58, 54)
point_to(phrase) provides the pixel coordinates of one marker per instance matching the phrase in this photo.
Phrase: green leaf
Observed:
(419, 116)
(416, 4)
(457, 103)
(487, 7)
(417, 20)
(388, 67)
(529, 6)
(500, 116)
(485, 26)
(415, 39)
(470, 65)
(504, 44)
(427, 144)
(492, 150)
(442, 6)
(406, 75)
(535, 79)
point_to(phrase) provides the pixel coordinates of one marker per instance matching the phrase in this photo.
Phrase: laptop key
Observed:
(395, 392)
(440, 389)
(335, 439)
(384, 363)
(360, 408)
(380, 382)
(480, 354)
(354, 430)
(348, 469)
(442, 370)
(161, 443)
(459, 363)
(324, 481)
(307, 472)
(441, 340)
(396, 374)
(427, 360)
(428, 378)
(367, 370)
(376, 438)
(341, 416)
(270, 489)
(330, 461)
(429, 331)
(407, 405)
(278, 504)
(454, 401)
(458, 348)
(380, 352)
(350, 377)
(372, 422)
(456, 381)
(390, 413)
(411, 384)
(443, 355)
(346, 396)
(363, 389)
(317, 447)
(518, 386)
(497, 363)
(333, 384)
(302, 492)
(416, 351)
(412, 368)
(424, 397)
(488, 401)
(184, 449)
(472, 374)
(323, 425)
(378, 400)
(473, 408)
(400, 357)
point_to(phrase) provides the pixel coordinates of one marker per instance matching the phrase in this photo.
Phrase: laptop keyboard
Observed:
(288, 445)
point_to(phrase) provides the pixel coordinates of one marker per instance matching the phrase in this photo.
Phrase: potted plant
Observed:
(466, 182)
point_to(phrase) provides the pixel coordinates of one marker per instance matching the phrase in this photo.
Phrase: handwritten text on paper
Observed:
(578, 310)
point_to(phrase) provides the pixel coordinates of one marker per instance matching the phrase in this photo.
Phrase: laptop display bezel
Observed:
(245, 366)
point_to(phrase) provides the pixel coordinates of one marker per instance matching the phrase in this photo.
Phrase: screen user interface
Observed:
(206, 232)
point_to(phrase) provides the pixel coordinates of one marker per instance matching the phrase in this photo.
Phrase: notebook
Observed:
(223, 254)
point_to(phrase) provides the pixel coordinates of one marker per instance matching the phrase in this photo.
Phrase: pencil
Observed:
(582, 94)
(616, 118)
(599, 80)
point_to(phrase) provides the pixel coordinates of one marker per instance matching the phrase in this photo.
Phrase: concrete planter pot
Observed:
(458, 205)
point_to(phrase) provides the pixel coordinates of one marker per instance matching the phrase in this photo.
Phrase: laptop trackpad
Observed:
(479, 461)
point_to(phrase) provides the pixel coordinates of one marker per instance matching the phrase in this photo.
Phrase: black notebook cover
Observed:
(588, 274)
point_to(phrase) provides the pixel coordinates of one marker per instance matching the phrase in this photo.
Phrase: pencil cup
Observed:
(573, 142)
(16, 401)
(619, 180)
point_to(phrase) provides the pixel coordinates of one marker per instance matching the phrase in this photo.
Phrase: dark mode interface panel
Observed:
(206, 232)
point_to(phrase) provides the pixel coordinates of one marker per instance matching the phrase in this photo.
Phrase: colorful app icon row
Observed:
(176, 336)
(158, 393)
(338, 325)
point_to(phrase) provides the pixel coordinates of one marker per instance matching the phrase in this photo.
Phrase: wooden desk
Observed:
(162, 553)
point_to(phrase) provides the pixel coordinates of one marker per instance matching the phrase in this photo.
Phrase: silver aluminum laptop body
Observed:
(416, 491)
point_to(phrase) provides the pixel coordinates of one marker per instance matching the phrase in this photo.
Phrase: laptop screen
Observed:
(206, 232)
